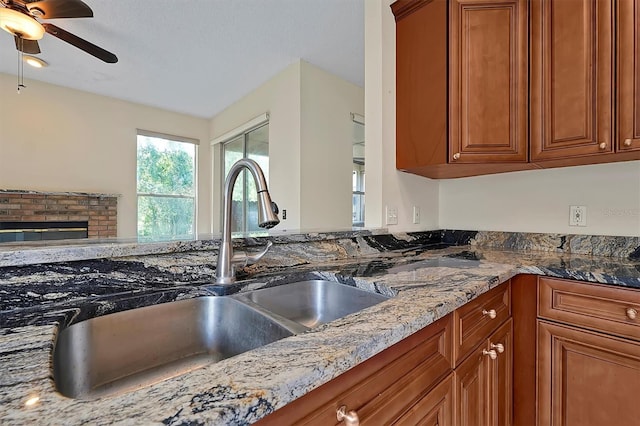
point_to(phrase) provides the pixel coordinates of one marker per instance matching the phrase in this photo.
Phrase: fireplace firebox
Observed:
(37, 231)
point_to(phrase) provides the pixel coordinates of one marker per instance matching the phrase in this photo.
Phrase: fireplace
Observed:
(37, 231)
(33, 215)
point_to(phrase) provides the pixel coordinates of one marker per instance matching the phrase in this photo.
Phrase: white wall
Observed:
(528, 201)
(326, 152)
(385, 185)
(310, 131)
(58, 139)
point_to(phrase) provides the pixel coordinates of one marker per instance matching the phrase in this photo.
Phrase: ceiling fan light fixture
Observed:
(20, 25)
(35, 62)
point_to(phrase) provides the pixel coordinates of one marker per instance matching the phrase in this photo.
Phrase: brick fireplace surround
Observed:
(99, 210)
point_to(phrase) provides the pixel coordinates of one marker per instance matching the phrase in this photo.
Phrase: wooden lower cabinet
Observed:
(586, 378)
(396, 384)
(484, 382)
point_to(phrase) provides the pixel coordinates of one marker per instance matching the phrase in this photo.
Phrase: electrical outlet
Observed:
(416, 214)
(577, 215)
(392, 215)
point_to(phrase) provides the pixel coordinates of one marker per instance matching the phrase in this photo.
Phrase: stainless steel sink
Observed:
(312, 303)
(128, 350)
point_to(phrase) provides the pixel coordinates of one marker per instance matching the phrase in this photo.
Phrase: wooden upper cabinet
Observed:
(488, 81)
(571, 78)
(421, 83)
(628, 54)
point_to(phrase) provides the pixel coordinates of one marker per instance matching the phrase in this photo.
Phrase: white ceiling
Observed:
(198, 56)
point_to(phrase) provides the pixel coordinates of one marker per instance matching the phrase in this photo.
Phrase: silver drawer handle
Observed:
(491, 313)
(350, 418)
(627, 142)
(632, 313)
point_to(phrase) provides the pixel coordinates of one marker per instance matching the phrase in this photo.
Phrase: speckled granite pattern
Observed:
(427, 278)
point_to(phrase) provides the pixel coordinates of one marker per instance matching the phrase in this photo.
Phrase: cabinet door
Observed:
(586, 378)
(434, 409)
(488, 81)
(472, 390)
(484, 383)
(571, 78)
(501, 375)
(628, 75)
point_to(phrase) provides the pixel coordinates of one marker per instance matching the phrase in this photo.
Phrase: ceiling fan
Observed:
(22, 19)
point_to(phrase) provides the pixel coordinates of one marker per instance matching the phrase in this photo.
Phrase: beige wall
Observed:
(326, 151)
(310, 150)
(531, 201)
(539, 200)
(385, 185)
(280, 97)
(58, 139)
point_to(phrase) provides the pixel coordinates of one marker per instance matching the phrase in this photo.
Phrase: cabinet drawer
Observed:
(382, 388)
(476, 320)
(604, 308)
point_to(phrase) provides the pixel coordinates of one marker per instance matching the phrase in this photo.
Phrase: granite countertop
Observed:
(427, 281)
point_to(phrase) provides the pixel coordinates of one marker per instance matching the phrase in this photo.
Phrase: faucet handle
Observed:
(245, 259)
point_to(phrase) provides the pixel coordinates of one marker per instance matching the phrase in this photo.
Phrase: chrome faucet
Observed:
(267, 218)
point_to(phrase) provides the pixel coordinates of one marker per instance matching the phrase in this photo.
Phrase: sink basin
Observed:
(128, 350)
(312, 303)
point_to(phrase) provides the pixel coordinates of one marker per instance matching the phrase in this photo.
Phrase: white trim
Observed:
(243, 128)
(357, 118)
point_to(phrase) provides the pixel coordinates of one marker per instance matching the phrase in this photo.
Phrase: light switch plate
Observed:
(392, 215)
(416, 214)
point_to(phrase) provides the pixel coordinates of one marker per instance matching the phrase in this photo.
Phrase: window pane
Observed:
(255, 146)
(165, 167)
(165, 218)
(166, 188)
(257, 150)
(234, 151)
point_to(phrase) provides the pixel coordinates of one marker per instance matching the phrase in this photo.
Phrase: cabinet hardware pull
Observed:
(491, 313)
(627, 142)
(456, 156)
(632, 313)
(603, 145)
(492, 354)
(350, 418)
(498, 347)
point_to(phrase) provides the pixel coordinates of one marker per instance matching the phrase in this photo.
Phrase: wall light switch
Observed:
(577, 216)
(392, 215)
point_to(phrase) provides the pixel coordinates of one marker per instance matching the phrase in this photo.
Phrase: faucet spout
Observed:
(267, 218)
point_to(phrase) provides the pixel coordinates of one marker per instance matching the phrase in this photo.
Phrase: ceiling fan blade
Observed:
(27, 46)
(80, 43)
(52, 9)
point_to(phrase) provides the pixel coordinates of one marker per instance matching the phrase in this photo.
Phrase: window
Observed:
(252, 144)
(358, 170)
(166, 187)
